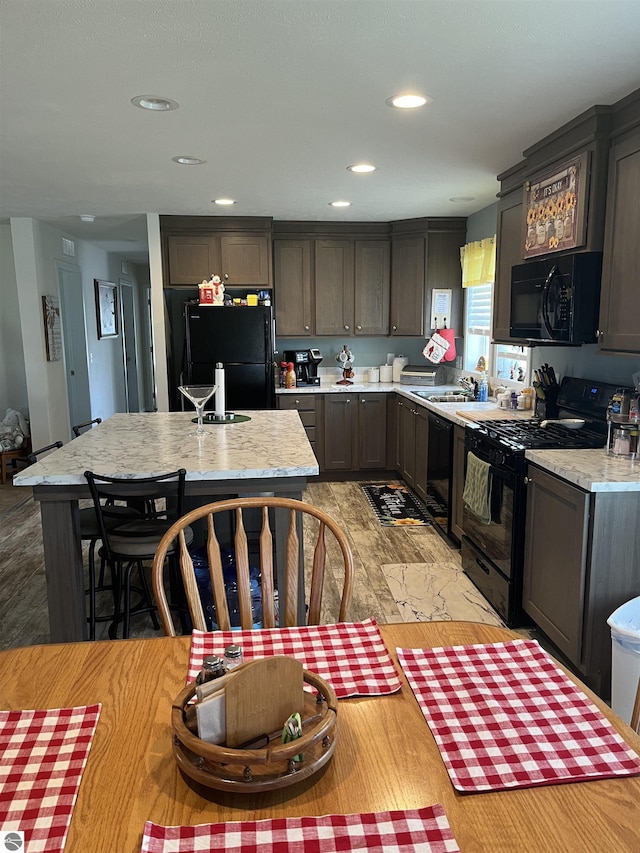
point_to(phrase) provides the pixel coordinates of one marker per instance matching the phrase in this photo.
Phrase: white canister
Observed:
(374, 374)
(399, 362)
(386, 373)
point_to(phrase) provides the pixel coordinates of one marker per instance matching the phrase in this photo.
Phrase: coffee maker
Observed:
(305, 363)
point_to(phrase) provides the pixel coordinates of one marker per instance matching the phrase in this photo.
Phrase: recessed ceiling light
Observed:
(151, 102)
(340, 203)
(87, 217)
(224, 201)
(408, 102)
(188, 161)
(361, 168)
(457, 198)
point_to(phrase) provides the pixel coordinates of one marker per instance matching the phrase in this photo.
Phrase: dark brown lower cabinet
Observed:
(407, 412)
(581, 562)
(355, 437)
(457, 484)
(421, 452)
(309, 407)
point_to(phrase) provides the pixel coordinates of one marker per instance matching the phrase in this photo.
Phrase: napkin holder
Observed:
(255, 707)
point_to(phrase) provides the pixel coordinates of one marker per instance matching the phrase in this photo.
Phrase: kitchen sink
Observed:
(451, 397)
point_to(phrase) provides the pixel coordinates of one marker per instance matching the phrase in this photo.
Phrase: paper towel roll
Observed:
(219, 406)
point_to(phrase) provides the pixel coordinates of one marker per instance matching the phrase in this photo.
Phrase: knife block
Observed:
(548, 408)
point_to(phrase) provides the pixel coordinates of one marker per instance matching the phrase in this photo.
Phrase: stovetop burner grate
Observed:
(530, 435)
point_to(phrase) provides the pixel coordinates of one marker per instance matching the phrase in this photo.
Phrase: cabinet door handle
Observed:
(346, 328)
(527, 480)
(348, 399)
(306, 328)
(225, 277)
(297, 402)
(359, 328)
(363, 402)
(483, 567)
(394, 328)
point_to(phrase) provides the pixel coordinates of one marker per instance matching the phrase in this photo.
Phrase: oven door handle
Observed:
(545, 299)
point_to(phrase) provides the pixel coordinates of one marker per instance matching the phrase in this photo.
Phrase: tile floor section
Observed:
(402, 574)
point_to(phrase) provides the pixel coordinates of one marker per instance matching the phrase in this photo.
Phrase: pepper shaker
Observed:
(212, 667)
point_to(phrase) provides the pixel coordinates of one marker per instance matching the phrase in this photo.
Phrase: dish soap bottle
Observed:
(483, 388)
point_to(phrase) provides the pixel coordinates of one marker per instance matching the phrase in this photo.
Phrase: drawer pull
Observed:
(483, 567)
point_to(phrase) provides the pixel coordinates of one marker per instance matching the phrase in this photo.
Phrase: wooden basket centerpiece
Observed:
(253, 703)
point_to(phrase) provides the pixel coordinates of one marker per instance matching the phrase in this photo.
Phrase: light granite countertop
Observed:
(272, 444)
(480, 411)
(591, 470)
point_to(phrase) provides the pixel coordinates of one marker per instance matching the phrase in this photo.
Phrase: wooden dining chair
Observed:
(298, 511)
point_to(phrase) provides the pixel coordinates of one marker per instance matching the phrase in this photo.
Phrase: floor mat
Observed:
(396, 505)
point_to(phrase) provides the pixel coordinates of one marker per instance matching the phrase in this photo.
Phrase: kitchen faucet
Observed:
(469, 384)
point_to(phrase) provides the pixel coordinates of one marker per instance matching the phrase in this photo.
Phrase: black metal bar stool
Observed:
(126, 546)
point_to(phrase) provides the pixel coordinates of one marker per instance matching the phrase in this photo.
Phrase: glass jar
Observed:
(232, 656)
(621, 442)
(212, 667)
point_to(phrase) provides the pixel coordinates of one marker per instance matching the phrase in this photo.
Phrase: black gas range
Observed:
(493, 553)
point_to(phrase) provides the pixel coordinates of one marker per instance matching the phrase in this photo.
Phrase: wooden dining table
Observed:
(385, 757)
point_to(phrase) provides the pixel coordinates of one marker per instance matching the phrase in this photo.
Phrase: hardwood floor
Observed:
(402, 574)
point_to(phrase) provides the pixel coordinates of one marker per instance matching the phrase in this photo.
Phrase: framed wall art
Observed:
(106, 308)
(554, 208)
(52, 327)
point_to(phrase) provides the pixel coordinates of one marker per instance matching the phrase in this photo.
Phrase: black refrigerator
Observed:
(241, 338)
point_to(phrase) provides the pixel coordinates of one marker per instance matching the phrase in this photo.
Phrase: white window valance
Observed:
(478, 262)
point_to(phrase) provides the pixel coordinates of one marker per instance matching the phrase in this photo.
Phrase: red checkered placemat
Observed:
(505, 716)
(43, 757)
(426, 830)
(351, 656)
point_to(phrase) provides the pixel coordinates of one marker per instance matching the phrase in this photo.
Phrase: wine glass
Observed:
(199, 395)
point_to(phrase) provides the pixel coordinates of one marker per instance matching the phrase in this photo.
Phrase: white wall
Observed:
(40, 384)
(13, 380)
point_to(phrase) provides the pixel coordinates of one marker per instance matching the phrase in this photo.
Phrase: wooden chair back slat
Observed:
(292, 571)
(190, 585)
(288, 598)
(243, 568)
(635, 714)
(317, 578)
(266, 571)
(216, 573)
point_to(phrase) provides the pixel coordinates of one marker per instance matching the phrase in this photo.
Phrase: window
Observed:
(503, 361)
(477, 326)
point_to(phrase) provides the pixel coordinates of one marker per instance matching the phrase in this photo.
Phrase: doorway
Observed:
(132, 390)
(74, 343)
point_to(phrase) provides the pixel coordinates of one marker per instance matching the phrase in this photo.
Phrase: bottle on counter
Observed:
(483, 388)
(290, 380)
(283, 374)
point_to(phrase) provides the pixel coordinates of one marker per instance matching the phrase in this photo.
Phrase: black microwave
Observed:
(556, 300)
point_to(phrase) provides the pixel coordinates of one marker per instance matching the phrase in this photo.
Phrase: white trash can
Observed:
(625, 657)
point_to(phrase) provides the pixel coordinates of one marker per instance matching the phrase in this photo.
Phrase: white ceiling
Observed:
(280, 96)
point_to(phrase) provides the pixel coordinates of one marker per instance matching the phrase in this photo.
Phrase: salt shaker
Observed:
(212, 667)
(232, 656)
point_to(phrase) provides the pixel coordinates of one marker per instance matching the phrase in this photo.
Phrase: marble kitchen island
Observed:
(268, 453)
